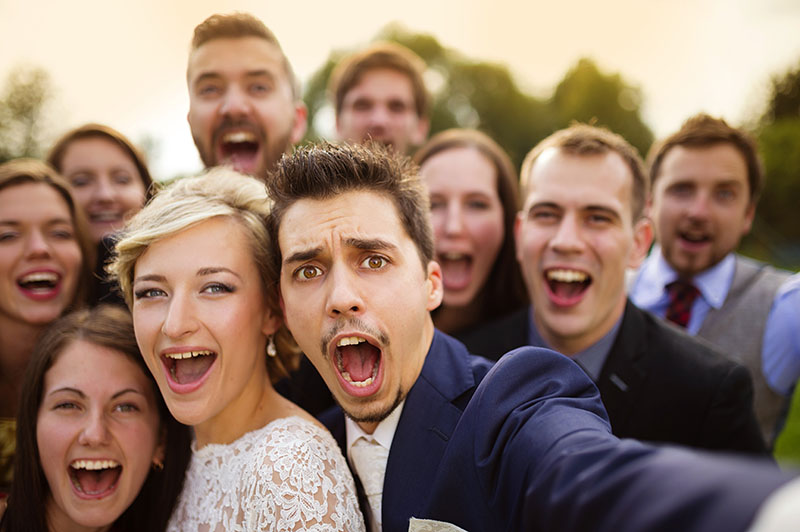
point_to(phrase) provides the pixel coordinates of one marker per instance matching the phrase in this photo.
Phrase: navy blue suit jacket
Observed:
(533, 451)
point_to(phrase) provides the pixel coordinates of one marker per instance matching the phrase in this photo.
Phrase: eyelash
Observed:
(147, 293)
(219, 288)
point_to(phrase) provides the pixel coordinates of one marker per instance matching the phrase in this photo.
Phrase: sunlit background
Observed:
(123, 63)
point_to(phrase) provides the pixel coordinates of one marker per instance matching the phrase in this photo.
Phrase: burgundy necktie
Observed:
(681, 296)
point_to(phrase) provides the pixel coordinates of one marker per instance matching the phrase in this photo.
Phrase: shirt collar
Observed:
(591, 359)
(656, 274)
(384, 432)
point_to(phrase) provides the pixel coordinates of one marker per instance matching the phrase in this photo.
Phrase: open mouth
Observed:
(693, 238)
(105, 217)
(240, 149)
(567, 286)
(94, 478)
(358, 364)
(189, 367)
(39, 283)
(456, 270)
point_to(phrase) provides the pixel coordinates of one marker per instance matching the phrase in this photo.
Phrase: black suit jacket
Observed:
(657, 384)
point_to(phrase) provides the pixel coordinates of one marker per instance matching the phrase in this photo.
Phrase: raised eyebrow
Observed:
(126, 390)
(259, 73)
(369, 244)
(303, 255)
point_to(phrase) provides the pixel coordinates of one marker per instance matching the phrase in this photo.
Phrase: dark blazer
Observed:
(658, 383)
(531, 452)
(431, 411)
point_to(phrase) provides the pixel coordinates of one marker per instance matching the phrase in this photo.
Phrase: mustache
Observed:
(356, 324)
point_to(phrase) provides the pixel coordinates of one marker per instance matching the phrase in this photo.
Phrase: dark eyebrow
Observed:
(151, 277)
(545, 205)
(603, 209)
(369, 244)
(303, 255)
(70, 390)
(126, 390)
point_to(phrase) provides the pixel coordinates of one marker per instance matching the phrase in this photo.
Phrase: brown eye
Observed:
(375, 262)
(307, 272)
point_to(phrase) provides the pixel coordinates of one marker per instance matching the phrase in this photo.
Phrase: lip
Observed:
(241, 164)
(39, 295)
(176, 387)
(691, 246)
(560, 300)
(349, 388)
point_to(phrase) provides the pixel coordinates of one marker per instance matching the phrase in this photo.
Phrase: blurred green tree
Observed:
(484, 95)
(23, 107)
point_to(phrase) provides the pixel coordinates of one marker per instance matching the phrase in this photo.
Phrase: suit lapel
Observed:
(426, 423)
(624, 372)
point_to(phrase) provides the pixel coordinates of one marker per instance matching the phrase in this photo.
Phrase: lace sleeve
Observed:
(300, 481)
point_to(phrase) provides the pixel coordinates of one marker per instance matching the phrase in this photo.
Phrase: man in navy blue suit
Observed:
(533, 448)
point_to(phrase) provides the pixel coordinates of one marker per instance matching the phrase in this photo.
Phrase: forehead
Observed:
(561, 177)
(218, 241)
(461, 168)
(235, 57)
(386, 83)
(32, 201)
(93, 147)
(718, 162)
(326, 223)
(80, 362)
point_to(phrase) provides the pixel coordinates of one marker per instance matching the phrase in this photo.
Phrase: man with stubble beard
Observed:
(244, 100)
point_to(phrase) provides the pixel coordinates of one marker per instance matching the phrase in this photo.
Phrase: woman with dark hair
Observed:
(473, 191)
(110, 181)
(44, 252)
(96, 447)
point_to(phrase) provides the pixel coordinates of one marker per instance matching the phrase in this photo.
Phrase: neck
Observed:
(452, 319)
(17, 341)
(572, 344)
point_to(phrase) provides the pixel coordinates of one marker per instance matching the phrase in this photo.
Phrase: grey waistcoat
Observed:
(737, 330)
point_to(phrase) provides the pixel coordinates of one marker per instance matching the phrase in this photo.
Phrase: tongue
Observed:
(359, 360)
(188, 370)
(456, 273)
(567, 290)
(94, 482)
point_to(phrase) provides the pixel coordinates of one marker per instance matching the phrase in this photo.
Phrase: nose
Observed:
(698, 207)
(103, 190)
(180, 319)
(568, 237)
(343, 294)
(37, 245)
(235, 102)
(453, 223)
(378, 116)
(95, 432)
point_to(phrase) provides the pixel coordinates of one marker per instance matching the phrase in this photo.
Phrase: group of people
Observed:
(338, 337)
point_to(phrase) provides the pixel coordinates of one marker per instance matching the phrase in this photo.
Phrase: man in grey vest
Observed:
(705, 181)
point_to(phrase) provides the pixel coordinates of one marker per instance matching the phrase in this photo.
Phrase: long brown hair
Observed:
(111, 327)
(504, 290)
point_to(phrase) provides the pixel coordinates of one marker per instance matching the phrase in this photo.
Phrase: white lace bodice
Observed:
(288, 475)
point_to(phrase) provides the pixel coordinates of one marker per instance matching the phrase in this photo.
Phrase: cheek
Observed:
(52, 438)
(71, 258)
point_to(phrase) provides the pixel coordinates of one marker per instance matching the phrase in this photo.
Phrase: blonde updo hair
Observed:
(191, 201)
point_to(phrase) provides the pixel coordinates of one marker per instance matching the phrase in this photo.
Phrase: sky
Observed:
(123, 63)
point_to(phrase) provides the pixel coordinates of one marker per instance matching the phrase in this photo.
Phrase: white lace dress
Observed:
(287, 475)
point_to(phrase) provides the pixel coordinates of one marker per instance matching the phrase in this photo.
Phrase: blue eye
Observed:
(218, 288)
(148, 293)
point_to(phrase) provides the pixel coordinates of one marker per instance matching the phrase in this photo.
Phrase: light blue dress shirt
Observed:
(781, 355)
(780, 351)
(649, 288)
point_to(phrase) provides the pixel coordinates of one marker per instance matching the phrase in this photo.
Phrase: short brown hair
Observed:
(703, 131)
(351, 69)
(238, 25)
(505, 290)
(99, 131)
(327, 170)
(583, 139)
(23, 171)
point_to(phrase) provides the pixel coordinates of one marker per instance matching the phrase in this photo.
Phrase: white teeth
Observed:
(567, 276)
(105, 217)
(40, 276)
(350, 340)
(94, 465)
(360, 384)
(188, 354)
(239, 136)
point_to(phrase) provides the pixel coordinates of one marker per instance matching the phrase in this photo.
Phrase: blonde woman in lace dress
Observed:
(194, 269)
